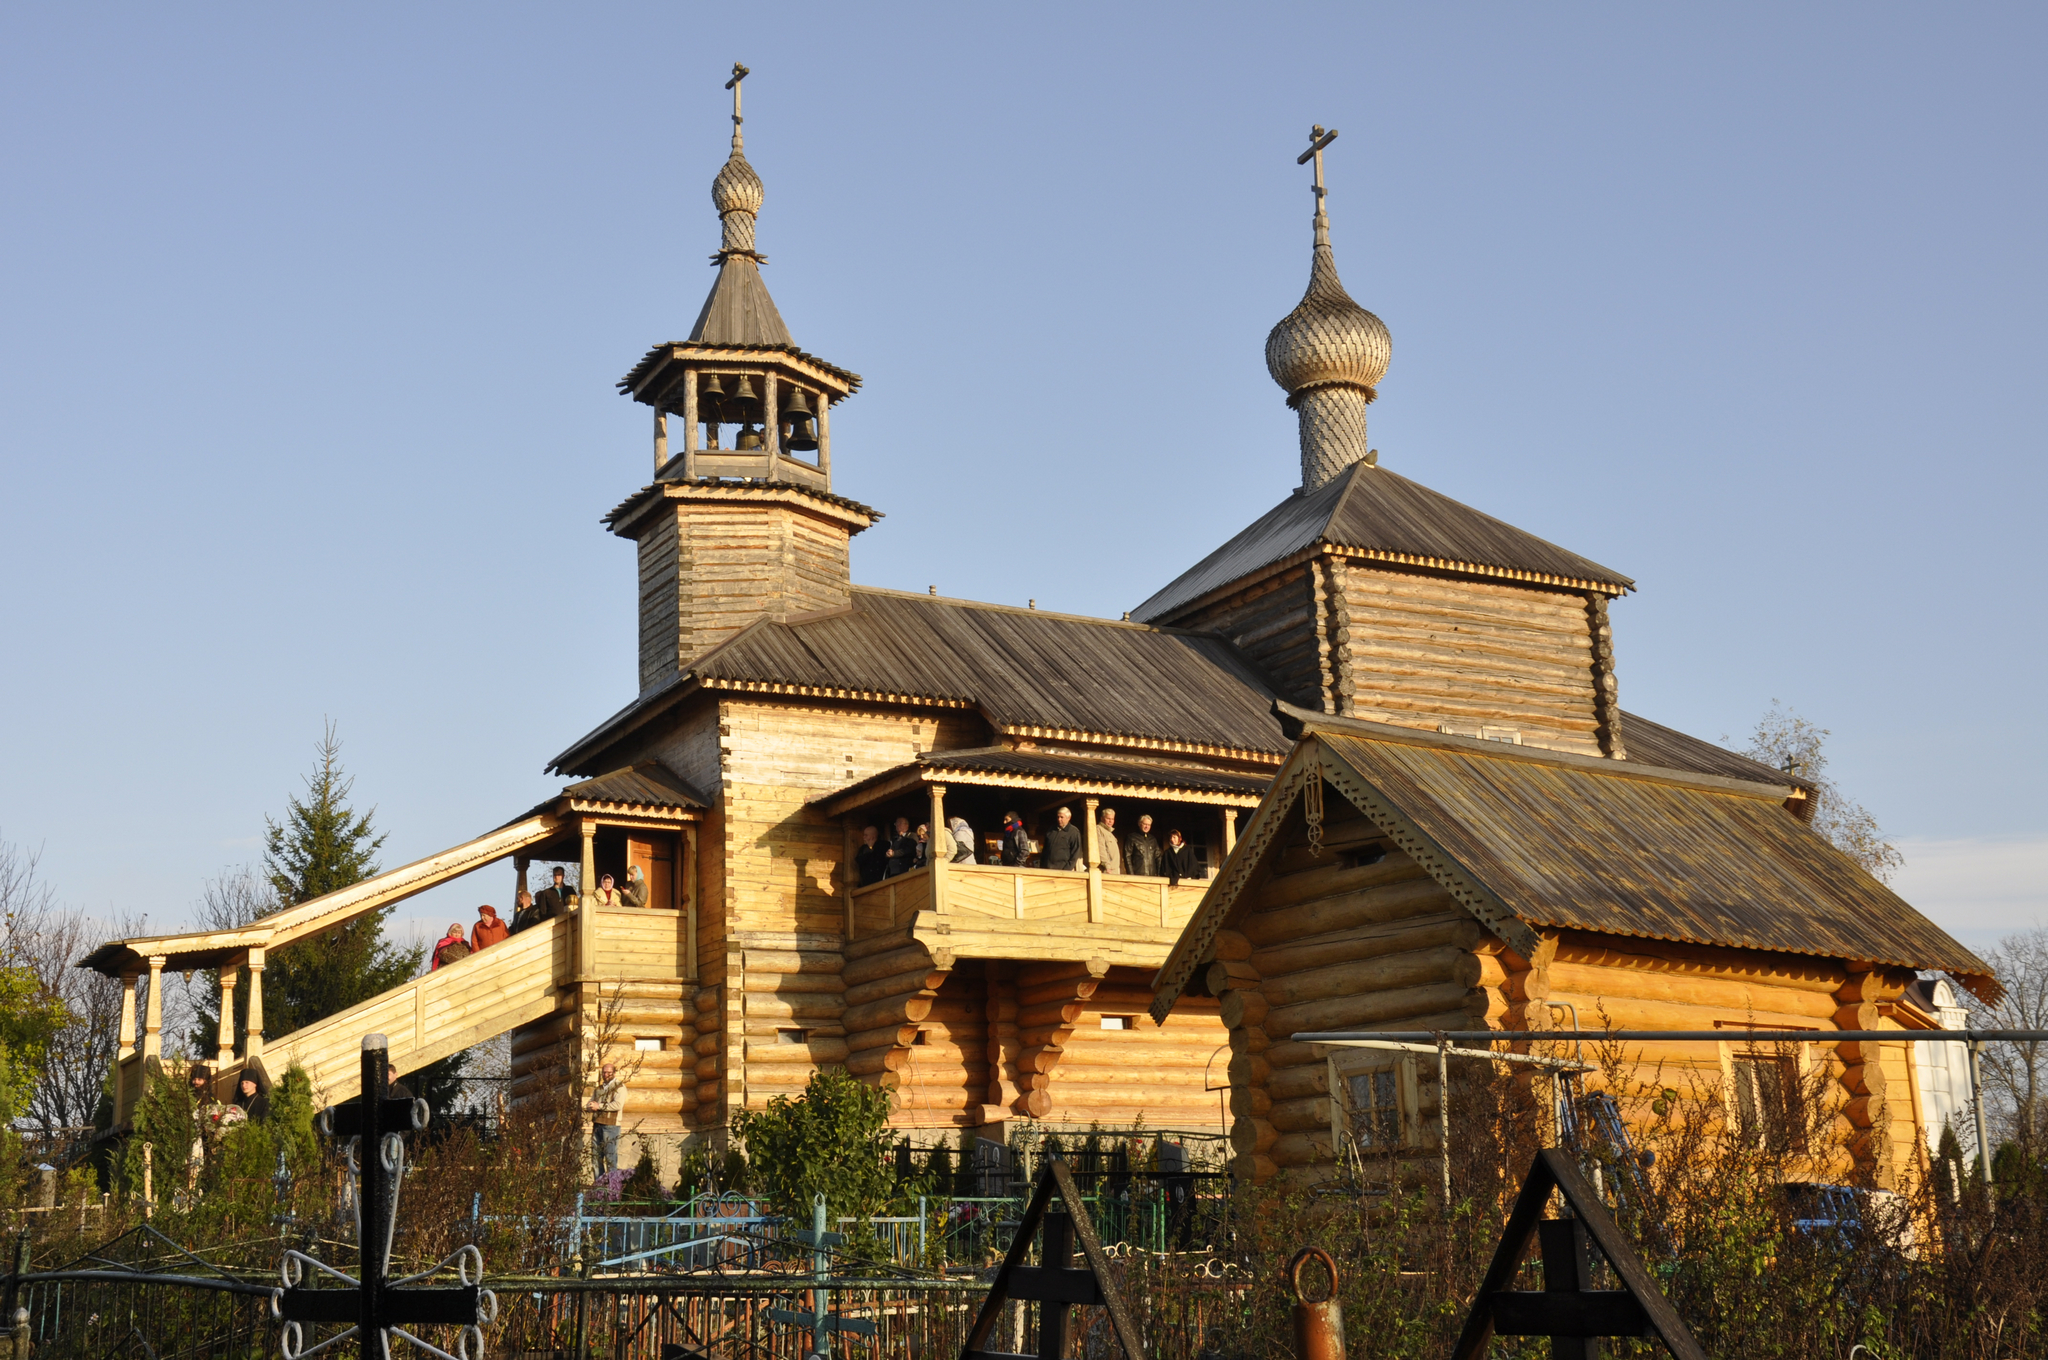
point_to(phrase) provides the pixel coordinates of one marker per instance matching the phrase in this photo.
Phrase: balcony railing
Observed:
(1064, 899)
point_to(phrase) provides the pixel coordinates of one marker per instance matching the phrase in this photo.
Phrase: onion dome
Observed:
(737, 191)
(1328, 340)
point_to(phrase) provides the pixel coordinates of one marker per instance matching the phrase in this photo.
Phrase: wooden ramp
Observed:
(455, 1007)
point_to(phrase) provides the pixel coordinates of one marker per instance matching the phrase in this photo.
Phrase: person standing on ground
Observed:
(606, 1104)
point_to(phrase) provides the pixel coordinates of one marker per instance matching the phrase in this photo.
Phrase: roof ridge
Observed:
(962, 602)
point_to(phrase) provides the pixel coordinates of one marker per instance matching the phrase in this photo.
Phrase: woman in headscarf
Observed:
(488, 929)
(963, 840)
(450, 948)
(251, 1095)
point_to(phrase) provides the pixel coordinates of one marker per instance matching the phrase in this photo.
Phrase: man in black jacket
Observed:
(553, 901)
(1142, 854)
(871, 859)
(1064, 846)
(902, 849)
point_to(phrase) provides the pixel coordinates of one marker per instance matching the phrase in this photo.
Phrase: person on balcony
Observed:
(634, 894)
(924, 847)
(963, 840)
(488, 929)
(450, 948)
(524, 913)
(1180, 858)
(872, 858)
(902, 849)
(1017, 847)
(1107, 852)
(1064, 846)
(608, 894)
(554, 900)
(1142, 854)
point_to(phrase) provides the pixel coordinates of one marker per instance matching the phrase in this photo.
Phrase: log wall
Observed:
(708, 569)
(1424, 650)
(1275, 623)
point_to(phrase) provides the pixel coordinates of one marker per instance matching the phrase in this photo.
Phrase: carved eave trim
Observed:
(1192, 748)
(1540, 578)
(627, 519)
(649, 380)
(829, 692)
(610, 813)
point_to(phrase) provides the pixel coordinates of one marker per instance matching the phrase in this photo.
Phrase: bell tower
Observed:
(740, 522)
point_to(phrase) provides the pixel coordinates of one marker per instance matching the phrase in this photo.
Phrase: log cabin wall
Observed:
(1138, 1073)
(1275, 623)
(1431, 651)
(1333, 942)
(710, 568)
(777, 919)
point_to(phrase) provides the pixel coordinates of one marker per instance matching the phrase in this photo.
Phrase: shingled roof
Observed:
(1029, 672)
(738, 310)
(1381, 514)
(1529, 839)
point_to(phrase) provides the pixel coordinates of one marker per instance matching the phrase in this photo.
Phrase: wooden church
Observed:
(780, 710)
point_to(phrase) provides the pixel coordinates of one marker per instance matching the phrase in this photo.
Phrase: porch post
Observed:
(519, 866)
(586, 905)
(825, 435)
(224, 1046)
(849, 875)
(938, 860)
(686, 874)
(1229, 835)
(1088, 806)
(660, 439)
(153, 1022)
(127, 1048)
(252, 1027)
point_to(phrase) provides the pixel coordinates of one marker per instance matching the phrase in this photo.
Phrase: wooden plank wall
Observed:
(1275, 624)
(1422, 649)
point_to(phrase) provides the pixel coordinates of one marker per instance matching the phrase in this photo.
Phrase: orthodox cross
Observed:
(740, 73)
(375, 1306)
(1317, 140)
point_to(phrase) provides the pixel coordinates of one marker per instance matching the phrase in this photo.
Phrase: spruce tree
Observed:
(321, 846)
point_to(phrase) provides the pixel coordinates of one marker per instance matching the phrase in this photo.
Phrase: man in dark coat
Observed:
(1180, 858)
(554, 900)
(1142, 854)
(902, 849)
(1064, 846)
(872, 858)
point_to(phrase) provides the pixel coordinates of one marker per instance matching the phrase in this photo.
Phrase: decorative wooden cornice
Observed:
(829, 692)
(1193, 748)
(624, 520)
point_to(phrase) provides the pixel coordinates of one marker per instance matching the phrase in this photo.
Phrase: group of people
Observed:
(1140, 853)
(211, 1117)
(554, 900)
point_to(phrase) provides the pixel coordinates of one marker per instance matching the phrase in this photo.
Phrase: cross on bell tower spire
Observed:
(740, 73)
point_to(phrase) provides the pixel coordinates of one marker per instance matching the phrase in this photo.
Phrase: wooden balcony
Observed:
(991, 911)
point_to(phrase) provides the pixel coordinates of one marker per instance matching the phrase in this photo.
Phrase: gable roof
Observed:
(1031, 673)
(1382, 515)
(1529, 840)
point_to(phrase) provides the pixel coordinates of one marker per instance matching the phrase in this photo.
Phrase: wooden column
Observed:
(519, 867)
(252, 1027)
(825, 437)
(586, 905)
(686, 874)
(690, 423)
(127, 1017)
(660, 440)
(224, 1035)
(849, 873)
(938, 860)
(1229, 836)
(771, 424)
(153, 1024)
(1088, 806)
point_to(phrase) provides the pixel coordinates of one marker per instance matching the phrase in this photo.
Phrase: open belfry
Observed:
(780, 712)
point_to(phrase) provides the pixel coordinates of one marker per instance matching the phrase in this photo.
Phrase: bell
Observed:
(803, 435)
(797, 403)
(744, 403)
(749, 438)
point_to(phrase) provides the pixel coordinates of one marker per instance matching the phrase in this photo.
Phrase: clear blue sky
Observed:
(310, 319)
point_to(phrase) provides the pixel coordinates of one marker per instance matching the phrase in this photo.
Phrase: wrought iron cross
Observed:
(1317, 140)
(376, 1306)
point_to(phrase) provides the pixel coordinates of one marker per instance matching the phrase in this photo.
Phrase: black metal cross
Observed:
(375, 1304)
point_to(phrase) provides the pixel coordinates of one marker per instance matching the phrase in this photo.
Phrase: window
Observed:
(1766, 1102)
(1119, 1022)
(648, 1045)
(791, 1036)
(920, 1039)
(1375, 1109)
